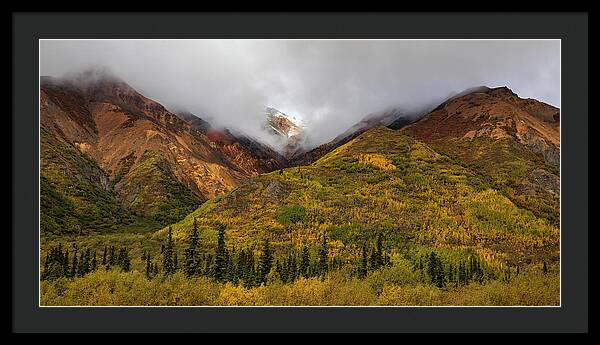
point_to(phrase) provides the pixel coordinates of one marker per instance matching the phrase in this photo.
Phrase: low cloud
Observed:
(329, 84)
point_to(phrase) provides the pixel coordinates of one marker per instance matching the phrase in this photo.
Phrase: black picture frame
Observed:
(571, 28)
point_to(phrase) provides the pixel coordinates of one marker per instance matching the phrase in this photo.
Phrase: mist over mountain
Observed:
(248, 172)
(329, 85)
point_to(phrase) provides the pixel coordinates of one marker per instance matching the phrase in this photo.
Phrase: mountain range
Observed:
(112, 157)
(478, 174)
(453, 204)
(109, 156)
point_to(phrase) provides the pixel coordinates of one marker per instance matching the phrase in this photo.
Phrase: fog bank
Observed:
(329, 84)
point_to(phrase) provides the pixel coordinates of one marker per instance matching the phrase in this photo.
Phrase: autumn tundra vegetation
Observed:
(143, 206)
(385, 219)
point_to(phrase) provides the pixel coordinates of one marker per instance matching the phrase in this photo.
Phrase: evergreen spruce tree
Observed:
(119, 258)
(220, 255)
(379, 251)
(49, 264)
(450, 274)
(125, 260)
(431, 267)
(85, 263)
(441, 274)
(226, 273)
(45, 271)
(54, 266)
(462, 274)
(209, 265)
(477, 271)
(190, 264)
(265, 262)
(247, 262)
(471, 267)
(104, 257)
(303, 268)
(168, 251)
(74, 265)
(251, 269)
(231, 269)
(436, 270)
(50, 271)
(80, 265)
(323, 257)
(65, 264)
(457, 276)
(373, 262)
(175, 263)
(282, 269)
(292, 268)
(544, 268)
(278, 269)
(149, 269)
(94, 262)
(362, 272)
(112, 259)
(241, 268)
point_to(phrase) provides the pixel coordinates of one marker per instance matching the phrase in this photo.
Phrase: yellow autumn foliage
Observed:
(113, 288)
(376, 160)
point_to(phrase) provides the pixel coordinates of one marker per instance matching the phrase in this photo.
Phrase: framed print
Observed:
(337, 177)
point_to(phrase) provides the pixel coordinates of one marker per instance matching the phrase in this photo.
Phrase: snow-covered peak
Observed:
(272, 112)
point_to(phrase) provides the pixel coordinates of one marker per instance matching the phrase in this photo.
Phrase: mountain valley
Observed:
(459, 204)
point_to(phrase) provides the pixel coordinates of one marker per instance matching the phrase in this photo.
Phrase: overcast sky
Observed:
(329, 84)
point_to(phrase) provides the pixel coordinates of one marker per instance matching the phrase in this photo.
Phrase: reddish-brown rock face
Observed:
(515, 141)
(114, 125)
(496, 114)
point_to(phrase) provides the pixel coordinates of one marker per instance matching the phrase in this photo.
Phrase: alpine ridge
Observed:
(513, 140)
(154, 163)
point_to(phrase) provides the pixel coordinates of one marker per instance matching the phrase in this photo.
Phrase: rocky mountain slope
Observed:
(476, 174)
(462, 202)
(154, 163)
(382, 181)
(515, 141)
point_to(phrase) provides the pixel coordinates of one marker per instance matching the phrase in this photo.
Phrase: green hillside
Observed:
(506, 163)
(403, 224)
(381, 182)
(150, 190)
(74, 192)
(78, 197)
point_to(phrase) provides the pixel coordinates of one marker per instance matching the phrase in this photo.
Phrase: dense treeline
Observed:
(241, 266)
(250, 268)
(352, 195)
(461, 271)
(58, 264)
